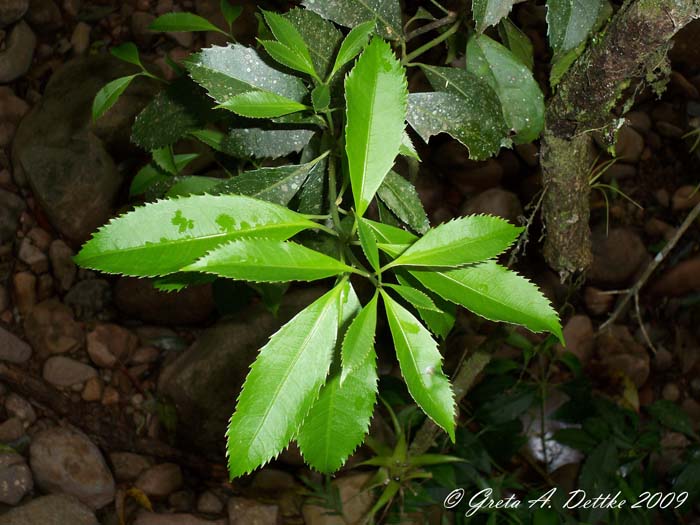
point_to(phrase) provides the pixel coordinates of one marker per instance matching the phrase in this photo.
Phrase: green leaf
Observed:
(465, 107)
(321, 36)
(288, 57)
(287, 35)
(563, 63)
(321, 98)
(264, 260)
(259, 104)
(461, 241)
(441, 322)
(230, 12)
(282, 386)
(414, 297)
(182, 22)
(672, 416)
(520, 95)
(177, 282)
(258, 143)
(386, 233)
(211, 137)
(353, 44)
(195, 185)
(339, 419)
(517, 41)
(569, 22)
(109, 94)
(358, 343)
(496, 293)
(278, 185)
(376, 93)
(490, 12)
(180, 108)
(369, 243)
(312, 195)
(127, 52)
(228, 71)
(352, 13)
(421, 365)
(407, 148)
(151, 173)
(401, 197)
(160, 238)
(165, 160)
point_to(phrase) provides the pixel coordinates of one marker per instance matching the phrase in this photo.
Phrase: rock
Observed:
(56, 509)
(679, 280)
(51, 329)
(40, 238)
(356, 503)
(242, 511)
(181, 501)
(110, 396)
(93, 390)
(63, 371)
(108, 344)
(671, 392)
(65, 460)
(149, 518)
(616, 257)
(19, 407)
(145, 355)
(685, 198)
(128, 466)
(497, 202)
(24, 284)
(11, 430)
(12, 109)
(11, 11)
(620, 353)
(639, 120)
(12, 348)
(139, 28)
(44, 15)
(692, 408)
(204, 379)
(64, 269)
(663, 360)
(4, 299)
(161, 480)
(209, 503)
(32, 256)
(597, 301)
(137, 298)
(629, 145)
(579, 337)
(89, 298)
(63, 156)
(80, 39)
(11, 207)
(16, 57)
(15, 478)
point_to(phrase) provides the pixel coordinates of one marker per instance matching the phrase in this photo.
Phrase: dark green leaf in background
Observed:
(351, 13)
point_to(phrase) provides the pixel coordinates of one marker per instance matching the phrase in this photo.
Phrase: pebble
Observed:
(663, 360)
(695, 386)
(597, 301)
(51, 329)
(12, 109)
(149, 518)
(24, 286)
(620, 353)
(108, 344)
(93, 389)
(44, 15)
(15, 478)
(63, 371)
(128, 466)
(12, 348)
(110, 396)
(617, 256)
(11, 430)
(64, 269)
(44, 288)
(65, 460)
(16, 57)
(145, 355)
(33, 256)
(89, 298)
(140, 21)
(671, 392)
(685, 198)
(11, 11)
(629, 145)
(243, 511)
(639, 120)
(4, 298)
(11, 207)
(496, 201)
(20, 408)
(161, 480)
(692, 408)
(55, 509)
(679, 280)
(209, 503)
(80, 39)
(40, 238)
(181, 501)
(579, 337)
(355, 499)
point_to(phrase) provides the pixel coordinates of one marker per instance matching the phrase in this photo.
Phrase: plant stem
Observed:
(434, 42)
(436, 24)
(333, 194)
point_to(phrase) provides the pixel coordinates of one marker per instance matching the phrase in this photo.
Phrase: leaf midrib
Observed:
(440, 250)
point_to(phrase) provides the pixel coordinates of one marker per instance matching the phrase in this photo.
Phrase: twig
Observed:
(524, 237)
(641, 323)
(451, 17)
(694, 213)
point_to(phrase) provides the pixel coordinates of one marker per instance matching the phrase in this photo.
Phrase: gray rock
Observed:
(11, 11)
(63, 156)
(57, 509)
(12, 109)
(242, 511)
(128, 466)
(19, 407)
(15, 478)
(161, 480)
(12, 348)
(149, 518)
(89, 298)
(64, 269)
(17, 55)
(11, 430)
(51, 329)
(617, 256)
(65, 460)
(11, 207)
(63, 371)
(44, 15)
(203, 380)
(497, 202)
(209, 503)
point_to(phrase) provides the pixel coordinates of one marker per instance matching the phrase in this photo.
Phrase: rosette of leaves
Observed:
(315, 381)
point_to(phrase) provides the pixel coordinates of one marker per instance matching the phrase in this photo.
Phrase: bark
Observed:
(600, 81)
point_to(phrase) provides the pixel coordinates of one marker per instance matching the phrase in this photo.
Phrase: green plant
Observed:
(343, 102)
